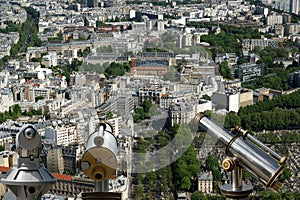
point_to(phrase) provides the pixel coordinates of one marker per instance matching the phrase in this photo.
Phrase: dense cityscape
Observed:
(148, 67)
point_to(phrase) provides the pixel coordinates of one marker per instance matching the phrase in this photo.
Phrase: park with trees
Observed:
(280, 113)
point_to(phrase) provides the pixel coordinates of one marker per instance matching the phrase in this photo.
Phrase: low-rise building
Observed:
(183, 112)
(152, 64)
(151, 92)
(50, 60)
(8, 158)
(249, 44)
(231, 58)
(205, 183)
(261, 94)
(173, 97)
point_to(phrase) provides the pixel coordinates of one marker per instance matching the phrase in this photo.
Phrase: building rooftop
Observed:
(205, 176)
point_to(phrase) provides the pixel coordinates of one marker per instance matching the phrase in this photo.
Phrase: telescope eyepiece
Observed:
(98, 176)
(29, 133)
(98, 141)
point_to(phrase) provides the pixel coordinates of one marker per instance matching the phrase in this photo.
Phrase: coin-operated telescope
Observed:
(99, 162)
(29, 179)
(244, 151)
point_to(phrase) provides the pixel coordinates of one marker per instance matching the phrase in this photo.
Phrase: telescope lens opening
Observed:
(31, 190)
(29, 133)
(98, 141)
(98, 176)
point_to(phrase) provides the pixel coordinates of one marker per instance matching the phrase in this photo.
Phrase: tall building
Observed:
(55, 161)
(294, 79)
(294, 6)
(232, 99)
(274, 19)
(92, 3)
(62, 135)
(6, 99)
(286, 6)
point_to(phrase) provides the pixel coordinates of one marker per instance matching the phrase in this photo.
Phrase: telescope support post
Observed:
(237, 178)
(102, 186)
(236, 189)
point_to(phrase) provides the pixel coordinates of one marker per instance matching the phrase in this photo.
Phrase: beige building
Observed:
(181, 113)
(274, 19)
(246, 97)
(205, 183)
(8, 158)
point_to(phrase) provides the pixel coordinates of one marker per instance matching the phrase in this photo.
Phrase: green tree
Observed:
(38, 98)
(142, 112)
(297, 195)
(17, 110)
(286, 174)
(197, 195)
(185, 183)
(287, 196)
(269, 195)
(216, 174)
(116, 69)
(212, 162)
(146, 106)
(224, 70)
(242, 61)
(109, 115)
(140, 191)
(246, 174)
(232, 120)
(206, 97)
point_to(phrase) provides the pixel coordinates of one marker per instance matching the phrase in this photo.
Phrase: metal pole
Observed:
(102, 186)
(237, 179)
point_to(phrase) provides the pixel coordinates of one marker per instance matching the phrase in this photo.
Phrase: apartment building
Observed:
(151, 92)
(183, 112)
(6, 99)
(274, 19)
(248, 72)
(62, 135)
(232, 99)
(54, 160)
(153, 64)
(249, 44)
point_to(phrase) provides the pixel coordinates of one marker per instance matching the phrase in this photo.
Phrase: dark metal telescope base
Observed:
(242, 193)
(101, 195)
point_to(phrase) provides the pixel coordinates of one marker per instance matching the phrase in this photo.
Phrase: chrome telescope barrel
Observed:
(259, 143)
(99, 162)
(257, 161)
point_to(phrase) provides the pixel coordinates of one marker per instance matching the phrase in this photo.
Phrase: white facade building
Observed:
(62, 135)
(6, 99)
